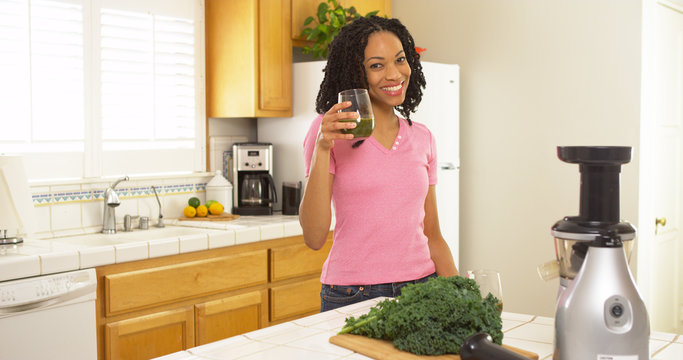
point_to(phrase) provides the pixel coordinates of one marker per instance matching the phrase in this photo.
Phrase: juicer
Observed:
(600, 314)
(598, 208)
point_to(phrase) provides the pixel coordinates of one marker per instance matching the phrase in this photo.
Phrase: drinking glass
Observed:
(489, 282)
(360, 103)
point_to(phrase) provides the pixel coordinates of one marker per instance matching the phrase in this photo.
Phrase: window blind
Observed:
(101, 88)
(41, 47)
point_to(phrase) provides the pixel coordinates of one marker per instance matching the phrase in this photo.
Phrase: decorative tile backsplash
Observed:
(75, 208)
(62, 197)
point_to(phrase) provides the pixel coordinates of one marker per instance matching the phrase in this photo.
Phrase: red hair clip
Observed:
(420, 50)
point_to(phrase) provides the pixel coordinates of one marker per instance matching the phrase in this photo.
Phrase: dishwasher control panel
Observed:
(25, 294)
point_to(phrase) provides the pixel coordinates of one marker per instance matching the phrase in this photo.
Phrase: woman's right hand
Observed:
(331, 126)
(315, 215)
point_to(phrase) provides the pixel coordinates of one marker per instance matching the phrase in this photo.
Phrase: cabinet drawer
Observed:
(297, 260)
(294, 299)
(149, 287)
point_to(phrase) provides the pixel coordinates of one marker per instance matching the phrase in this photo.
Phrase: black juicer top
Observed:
(600, 167)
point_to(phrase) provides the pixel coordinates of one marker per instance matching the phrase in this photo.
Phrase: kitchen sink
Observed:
(153, 233)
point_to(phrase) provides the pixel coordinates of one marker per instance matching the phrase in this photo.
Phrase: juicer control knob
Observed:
(617, 310)
(618, 314)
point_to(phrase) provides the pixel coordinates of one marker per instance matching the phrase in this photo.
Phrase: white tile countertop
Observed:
(86, 250)
(308, 338)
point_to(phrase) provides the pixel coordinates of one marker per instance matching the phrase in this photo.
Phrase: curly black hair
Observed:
(345, 70)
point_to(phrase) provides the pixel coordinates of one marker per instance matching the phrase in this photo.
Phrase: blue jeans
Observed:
(336, 296)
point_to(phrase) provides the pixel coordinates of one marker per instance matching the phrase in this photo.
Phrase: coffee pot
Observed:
(254, 190)
(253, 193)
(251, 190)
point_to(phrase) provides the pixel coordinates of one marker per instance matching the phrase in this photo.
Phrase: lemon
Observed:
(189, 211)
(194, 202)
(216, 208)
(208, 203)
(202, 211)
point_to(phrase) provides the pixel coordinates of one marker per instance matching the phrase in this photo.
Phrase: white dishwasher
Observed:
(49, 317)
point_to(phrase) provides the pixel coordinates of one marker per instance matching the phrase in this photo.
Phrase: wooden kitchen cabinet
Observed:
(248, 58)
(301, 9)
(230, 316)
(302, 297)
(148, 336)
(294, 300)
(153, 307)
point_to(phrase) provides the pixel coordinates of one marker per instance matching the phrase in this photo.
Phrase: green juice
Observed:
(363, 128)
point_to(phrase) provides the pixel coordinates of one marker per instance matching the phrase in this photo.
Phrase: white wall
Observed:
(535, 74)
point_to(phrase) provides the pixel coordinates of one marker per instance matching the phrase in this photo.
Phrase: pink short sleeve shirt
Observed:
(378, 196)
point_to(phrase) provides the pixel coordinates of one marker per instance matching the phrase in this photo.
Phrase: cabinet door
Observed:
(150, 336)
(275, 56)
(231, 40)
(300, 298)
(248, 58)
(301, 9)
(230, 316)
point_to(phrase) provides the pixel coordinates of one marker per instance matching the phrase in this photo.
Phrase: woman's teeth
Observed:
(393, 88)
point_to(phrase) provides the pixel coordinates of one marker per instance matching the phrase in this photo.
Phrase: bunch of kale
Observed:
(431, 318)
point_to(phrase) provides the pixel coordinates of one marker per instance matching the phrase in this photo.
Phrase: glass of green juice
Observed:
(360, 103)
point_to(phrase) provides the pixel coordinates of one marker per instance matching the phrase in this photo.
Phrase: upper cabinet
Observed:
(249, 53)
(301, 9)
(248, 58)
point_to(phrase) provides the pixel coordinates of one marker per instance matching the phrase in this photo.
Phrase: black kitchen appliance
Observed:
(254, 191)
(291, 197)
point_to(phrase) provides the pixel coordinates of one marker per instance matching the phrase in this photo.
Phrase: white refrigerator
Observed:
(439, 110)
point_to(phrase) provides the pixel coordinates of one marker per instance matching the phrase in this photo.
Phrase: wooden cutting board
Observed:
(384, 350)
(221, 217)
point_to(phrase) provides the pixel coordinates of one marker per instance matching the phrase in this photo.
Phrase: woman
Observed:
(387, 232)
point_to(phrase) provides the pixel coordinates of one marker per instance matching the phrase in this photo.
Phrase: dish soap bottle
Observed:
(220, 189)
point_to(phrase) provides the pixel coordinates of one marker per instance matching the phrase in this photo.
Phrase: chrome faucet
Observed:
(160, 223)
(111, 201)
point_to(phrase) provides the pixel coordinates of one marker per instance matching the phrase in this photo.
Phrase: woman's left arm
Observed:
(438, 248)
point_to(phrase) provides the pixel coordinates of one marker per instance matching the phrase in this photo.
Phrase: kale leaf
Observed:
(431, 318)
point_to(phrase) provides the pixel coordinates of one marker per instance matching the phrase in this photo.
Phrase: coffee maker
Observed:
(600, 313)
(254, 191)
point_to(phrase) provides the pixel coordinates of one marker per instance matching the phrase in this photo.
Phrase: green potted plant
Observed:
(330, 18)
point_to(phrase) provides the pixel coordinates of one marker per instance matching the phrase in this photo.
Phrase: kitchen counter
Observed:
(307, 338)
(86, 250)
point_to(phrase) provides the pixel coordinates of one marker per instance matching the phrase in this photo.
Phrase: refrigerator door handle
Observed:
(447, 166)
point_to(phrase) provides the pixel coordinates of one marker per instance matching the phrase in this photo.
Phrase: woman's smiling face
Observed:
(387, 69)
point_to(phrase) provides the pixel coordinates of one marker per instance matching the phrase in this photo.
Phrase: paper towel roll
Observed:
(17, 214)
